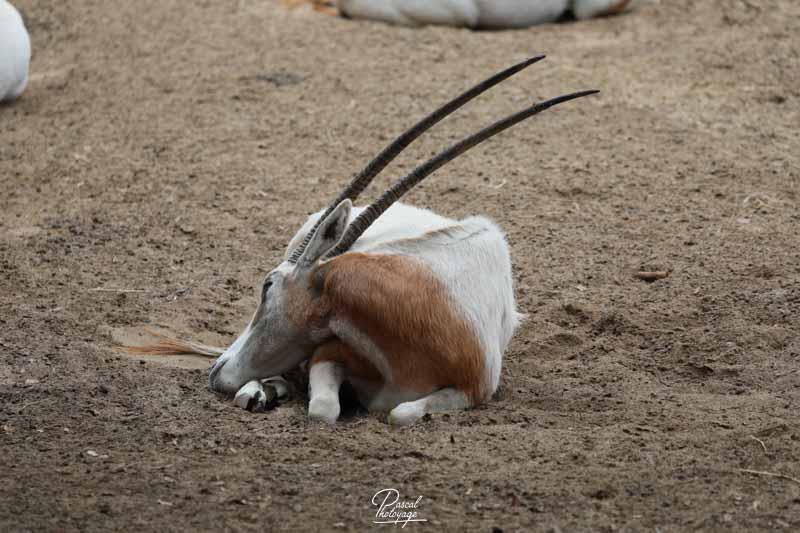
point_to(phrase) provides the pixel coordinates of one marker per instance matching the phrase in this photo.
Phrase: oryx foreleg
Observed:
(261, 395)
(325, 377)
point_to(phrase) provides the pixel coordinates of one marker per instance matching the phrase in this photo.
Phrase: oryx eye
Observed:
(265, 289)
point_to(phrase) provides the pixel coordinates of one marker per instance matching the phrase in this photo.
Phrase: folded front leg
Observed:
(331, 364)
(326, 373)
(325, 377)
(448, 399)
(261, 395)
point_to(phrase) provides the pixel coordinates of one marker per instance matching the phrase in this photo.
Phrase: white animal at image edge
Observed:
(15, 53)
(489, 14)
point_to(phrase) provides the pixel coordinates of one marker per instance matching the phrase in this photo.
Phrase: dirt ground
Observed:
(166, 151)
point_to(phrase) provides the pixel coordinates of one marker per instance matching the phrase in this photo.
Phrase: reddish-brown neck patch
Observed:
(304, 309)
(408, 313)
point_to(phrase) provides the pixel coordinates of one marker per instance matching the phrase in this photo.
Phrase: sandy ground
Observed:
(172, 148)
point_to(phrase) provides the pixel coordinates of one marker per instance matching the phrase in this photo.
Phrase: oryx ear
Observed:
(328, 234)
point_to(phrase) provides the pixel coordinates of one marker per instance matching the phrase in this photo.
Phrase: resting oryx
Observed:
(413, 309)
(477, 14)
(15, 53)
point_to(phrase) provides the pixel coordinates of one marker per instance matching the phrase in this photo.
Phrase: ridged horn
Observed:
(374, 167)
(402, 186)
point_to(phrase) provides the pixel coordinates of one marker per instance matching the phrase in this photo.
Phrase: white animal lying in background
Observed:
(15, 53)
(478, 14)
(413, 309)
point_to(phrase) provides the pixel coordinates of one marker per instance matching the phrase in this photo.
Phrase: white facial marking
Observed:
(233, 349)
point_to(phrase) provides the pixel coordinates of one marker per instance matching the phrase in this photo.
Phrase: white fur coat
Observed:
(489, 14)
(15, 52)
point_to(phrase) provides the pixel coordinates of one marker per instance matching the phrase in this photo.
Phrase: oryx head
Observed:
(293, 314)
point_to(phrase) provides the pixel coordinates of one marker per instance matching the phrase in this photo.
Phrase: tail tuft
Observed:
(172, 346)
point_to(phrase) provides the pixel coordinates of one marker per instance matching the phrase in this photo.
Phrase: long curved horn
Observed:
(402, 186)
(374, 167)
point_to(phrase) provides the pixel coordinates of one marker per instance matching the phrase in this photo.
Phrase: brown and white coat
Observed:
(413, 309)
(416, 316)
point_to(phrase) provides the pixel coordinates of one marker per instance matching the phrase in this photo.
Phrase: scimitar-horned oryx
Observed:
(413, 309)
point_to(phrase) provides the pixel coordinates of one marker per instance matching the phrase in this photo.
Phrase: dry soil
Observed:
(165, 152)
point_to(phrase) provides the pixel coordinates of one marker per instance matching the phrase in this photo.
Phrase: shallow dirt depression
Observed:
(168, 150)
